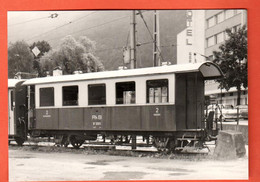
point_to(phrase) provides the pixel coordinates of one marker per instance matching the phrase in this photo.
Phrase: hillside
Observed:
(110, 31)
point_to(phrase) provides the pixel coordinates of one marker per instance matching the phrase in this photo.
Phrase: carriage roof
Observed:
(12, 82)
(209, 70)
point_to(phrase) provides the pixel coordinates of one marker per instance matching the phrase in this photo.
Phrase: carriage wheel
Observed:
(76, 143)
(161, 143)
(171, 145)
(19, 141)
(64, 141)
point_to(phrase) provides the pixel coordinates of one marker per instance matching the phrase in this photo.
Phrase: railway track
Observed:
(142, 150)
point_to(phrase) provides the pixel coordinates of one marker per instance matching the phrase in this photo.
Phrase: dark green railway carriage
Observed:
(164, 102)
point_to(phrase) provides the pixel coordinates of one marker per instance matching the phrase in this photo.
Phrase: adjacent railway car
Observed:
(17, 110)
(163, 103)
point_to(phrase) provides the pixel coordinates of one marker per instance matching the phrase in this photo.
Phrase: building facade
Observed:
(216, 22)
(204, 33)
(190, 48)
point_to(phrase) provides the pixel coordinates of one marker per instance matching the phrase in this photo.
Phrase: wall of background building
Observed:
(216, 31)
(190, 44)
(216, 22)
(205, 35)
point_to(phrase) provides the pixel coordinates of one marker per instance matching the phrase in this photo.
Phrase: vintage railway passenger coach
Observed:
(17, 111)
(164, 103)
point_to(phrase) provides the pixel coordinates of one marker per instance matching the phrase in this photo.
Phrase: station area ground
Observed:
(48, 165)
(31, 164)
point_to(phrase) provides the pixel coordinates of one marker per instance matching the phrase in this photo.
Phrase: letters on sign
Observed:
(96, 120)
(157, 112)
(97, 117)
(46, 115)
(189, 31)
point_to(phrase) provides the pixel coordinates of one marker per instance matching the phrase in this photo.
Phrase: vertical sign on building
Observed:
(191, 40)
(189, 32)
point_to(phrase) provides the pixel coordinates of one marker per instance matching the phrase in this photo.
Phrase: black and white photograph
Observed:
(108, 95)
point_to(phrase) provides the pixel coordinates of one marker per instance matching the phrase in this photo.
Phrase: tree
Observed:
(43, 47)
(73, 55)
(232, 59)
(20, 58)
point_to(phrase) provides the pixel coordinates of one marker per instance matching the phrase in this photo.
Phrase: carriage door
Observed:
(195, 100)
(11, 130)
(189, 100)
(31, 106)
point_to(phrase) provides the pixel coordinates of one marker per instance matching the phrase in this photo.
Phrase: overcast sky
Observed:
(28, 25)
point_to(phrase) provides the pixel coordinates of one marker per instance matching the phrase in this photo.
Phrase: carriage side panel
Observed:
(126, 118)
(97, 118)
(158, 118)
(71, 118)
(47, 119)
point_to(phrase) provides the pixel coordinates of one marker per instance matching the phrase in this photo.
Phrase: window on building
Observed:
(211, 22)
(157, 91)
(211, 41)
(231, 94)
(220, 38)
(220, 17)
(125, 93)
(226, 36)
(70, 95)
(97, 94)
(47, 96)
(235, 28)
(229, 13)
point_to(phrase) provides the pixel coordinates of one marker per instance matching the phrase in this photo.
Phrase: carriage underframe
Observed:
(163, 141)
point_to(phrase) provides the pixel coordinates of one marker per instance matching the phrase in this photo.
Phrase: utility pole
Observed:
(156, 38)
(133, 41)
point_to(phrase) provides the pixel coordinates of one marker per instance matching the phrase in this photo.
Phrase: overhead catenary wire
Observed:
(53, 15)
(36, 19)
(121, 47)
(78, 19)
(114, 20)
(150, 33)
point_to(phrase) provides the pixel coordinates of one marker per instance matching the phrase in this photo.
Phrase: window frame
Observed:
(214, 41)
(148, 91)
(77, 102)
(96, 85)
(213, 18)
(230, 15)
(218, 40)
(53, 97)
(116, 93)
(218, 20)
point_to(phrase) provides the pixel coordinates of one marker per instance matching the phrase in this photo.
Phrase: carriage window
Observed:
(47, 96)
(12, 100)
(70, 95)
(97, 94)
(157, 91)
(125, 93)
